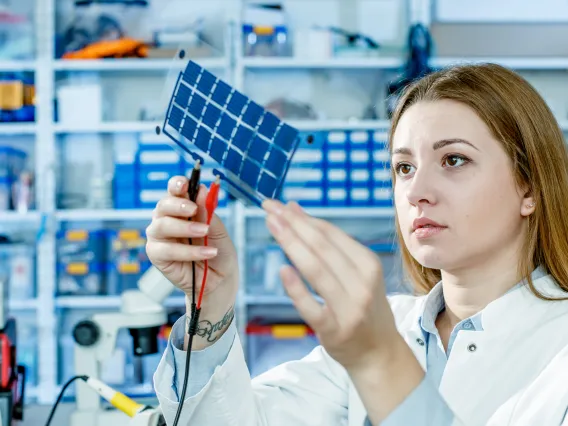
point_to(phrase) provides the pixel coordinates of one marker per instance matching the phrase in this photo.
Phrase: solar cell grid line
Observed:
(252, 147)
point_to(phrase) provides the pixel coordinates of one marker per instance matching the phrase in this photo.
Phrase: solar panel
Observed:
(213, 122)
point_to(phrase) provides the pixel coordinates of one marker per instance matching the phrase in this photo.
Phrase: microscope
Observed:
(142, 313)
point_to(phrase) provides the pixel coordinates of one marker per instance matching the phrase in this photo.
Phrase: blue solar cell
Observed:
(258, 149)
(237, 103)
(286, 137)
(188, 130)
(206, 83)
(267, 185)
(192, 71)
(276, 162)
(218, 148)
(203, 138)
(221, 93)
(175, 118)
(269, 125)
(250, 173)
(226, 126)
(196, 106)
(242, 138)
(252, 114)
(233, 161)
(183, 95)
(211, 116)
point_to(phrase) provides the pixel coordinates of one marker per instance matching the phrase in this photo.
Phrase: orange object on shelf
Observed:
(121, 48)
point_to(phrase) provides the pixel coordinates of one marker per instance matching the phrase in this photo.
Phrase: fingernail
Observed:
(273, 206)
(198, 228)
(180, 184)
(275, 225)
(209, 251)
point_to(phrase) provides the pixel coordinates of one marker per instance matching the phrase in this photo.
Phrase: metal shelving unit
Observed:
(46, 131)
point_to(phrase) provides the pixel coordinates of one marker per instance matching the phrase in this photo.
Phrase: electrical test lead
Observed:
(211, 203)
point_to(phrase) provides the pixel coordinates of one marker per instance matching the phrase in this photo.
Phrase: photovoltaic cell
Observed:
(252, 147)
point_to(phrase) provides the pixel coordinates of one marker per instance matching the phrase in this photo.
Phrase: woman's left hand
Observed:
(355, 324)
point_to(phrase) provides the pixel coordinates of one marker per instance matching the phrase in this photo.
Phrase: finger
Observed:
(309, 309)
(162, 251)
(201, 215)
(175, 206)
(306, 261)
(172, 227)
(178, 186)
(318, 236)
(356, 257)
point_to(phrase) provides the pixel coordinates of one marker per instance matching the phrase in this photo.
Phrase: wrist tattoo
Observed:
(211, 331)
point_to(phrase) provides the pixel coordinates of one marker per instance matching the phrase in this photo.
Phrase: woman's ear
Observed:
(528, 205)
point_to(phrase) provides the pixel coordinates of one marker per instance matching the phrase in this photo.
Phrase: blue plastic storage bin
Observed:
(81, 262)
(127, 259)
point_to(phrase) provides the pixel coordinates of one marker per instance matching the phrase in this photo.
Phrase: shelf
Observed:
(109, 127)
(332, 63)
(535, 63)
(113, 215)
(251, 299)
(17, 128)
(22, 305)
(132, 64)
(17, 66)
(104, 215)
(335, 212)
(15, 217)
(316, 125)
(106, 302)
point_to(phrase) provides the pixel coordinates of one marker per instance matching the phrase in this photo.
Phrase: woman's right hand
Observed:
(169, 250)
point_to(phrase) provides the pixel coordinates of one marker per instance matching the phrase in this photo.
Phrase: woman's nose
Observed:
(421, 188)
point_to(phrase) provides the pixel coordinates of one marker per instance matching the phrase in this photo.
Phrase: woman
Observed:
(480, 174)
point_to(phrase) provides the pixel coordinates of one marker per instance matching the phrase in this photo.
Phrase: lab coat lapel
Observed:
(519, 338)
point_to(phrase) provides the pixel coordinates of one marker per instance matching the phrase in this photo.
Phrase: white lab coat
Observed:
(518, 375)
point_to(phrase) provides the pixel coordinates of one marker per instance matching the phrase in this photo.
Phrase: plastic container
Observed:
(27, 351)
(266, 41)
(127, 259)
(17, 268)
(269, 345)
(81, 262)
(263, 266)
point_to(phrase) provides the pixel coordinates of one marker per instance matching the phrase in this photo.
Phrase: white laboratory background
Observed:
(81, 166)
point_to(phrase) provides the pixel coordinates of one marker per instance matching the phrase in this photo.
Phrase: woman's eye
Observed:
(454, 161)
(404, 169)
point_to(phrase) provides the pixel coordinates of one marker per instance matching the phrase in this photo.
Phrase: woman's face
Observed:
(456, 198)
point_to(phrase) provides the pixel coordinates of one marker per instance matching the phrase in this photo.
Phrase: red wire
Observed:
(210, 205)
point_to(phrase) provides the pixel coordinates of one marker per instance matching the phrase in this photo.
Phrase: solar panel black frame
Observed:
(224, 129)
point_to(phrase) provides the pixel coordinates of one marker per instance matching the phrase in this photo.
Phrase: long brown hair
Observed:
(519, 118)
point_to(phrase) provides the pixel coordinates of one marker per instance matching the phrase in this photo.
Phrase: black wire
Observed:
(71, 380)
(192, 192)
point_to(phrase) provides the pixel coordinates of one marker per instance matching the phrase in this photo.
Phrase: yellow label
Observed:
(77, 269)
(77, 235)
(261, 30)
(289, 331)
(11, 95)
(129, 234)
(129, 268)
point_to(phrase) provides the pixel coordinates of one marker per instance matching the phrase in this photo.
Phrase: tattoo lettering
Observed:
(206, 329)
